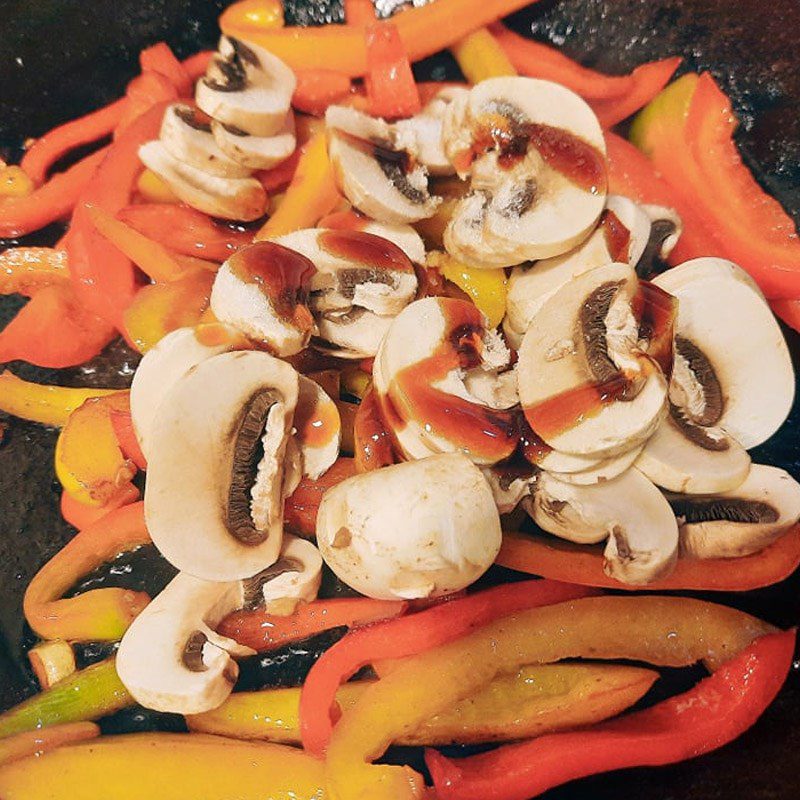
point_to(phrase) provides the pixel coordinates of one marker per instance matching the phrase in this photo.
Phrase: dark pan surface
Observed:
(60, 58)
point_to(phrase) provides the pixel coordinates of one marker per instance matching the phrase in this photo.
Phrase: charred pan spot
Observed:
(521, 200)
(396, 175)
(697, 433)
(650, 262)
(189, 117)
(254, 587)
(704, 374)
(722, 509)
(193, 652)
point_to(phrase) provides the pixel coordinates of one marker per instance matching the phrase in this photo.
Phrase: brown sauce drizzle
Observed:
(373, 441)
(656, 311)
(365, 248)
(616, 235)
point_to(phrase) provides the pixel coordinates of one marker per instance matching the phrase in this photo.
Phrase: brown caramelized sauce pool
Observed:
(365, 248)
(616, 235)
(283, 275)
(373, 441)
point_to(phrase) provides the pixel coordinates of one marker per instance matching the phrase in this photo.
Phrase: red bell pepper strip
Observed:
(278, 178)
(50, 202)
(81, 515)
(319, 88)
(55, 144)
(122, 424)
(143, 92)
(391, 91)
(788, 311)
(263, 631)
(300, 508)
(160, 58)
(104, 278)
(713, 713)
(197, 64)
(408, 636)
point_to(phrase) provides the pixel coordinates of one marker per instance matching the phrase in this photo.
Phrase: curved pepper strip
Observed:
(713, 713)
(82, 515)
(788, 311)
(143, 92)
(169, 766)
(665, 631)
(480, 56)
(391, 91)
(372, 441)
(300, 508)
(37, 742)
(99, 615)
(424, 31)
(25, 270)
(408, 636)
(583, 565)
(160, 58)
(319, 88)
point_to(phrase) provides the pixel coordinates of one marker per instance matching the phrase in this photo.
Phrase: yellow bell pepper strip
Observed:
(15, 182)
(37, 402)
(99, 615)
(153, 189)
(167, 766)
(38, 742)
(262, 14)
(666, 631)
(480, 57)
(311, 194)
(424, 31)
(89, 462)
(81, 515)
(51, 661)
(24, 270)
(529, 702)
(84, 696)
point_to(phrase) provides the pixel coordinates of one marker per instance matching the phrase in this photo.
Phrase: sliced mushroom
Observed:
(621, 236)
(372, 169)
(585, 385)
(170, 659)
(666, 227)
(510, 486)
(430, 374)
(214, 500)
(534, 151)
(318, 428)
(230, 198)
(742, 521)
(732, 365)
(628, 511)
(246, 87)
(605, 470)
(404, 236)
(186, 136)
(256, 152)
(173, 356)
(263, 291)
(293, 579)
(420, 529)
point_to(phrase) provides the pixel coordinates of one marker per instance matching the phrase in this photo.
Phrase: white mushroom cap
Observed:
(318, 428)
(420, 529)
(263, 291)
(370, 168)
(741, 521)
(172, 357)
(229, 198)
(583, 346)
(638, 522)
(213, 503)
(247, 87)
(170, 659)
(724, 318)
(256, 152)
(667, 226)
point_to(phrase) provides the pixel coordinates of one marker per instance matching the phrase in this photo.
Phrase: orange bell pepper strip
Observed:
(665, 631)
(55, 144)
(99, 615)
(38, 742)
(25, 270)
(480, 56)
(319, 88)
(169, 766)
(51, 202)
(359, 12)
(391, 91)
(82, 515)
(301, 507)
(311, 194)
(184, 230)
(423, 31)
(372, 441)
(559, 560)
(716, 711)
(160, 58)
(407, 636)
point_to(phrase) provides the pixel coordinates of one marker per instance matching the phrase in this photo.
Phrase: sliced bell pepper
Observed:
(713, 713)
(788, 311)
(14, 181)
(153, 189)
(480, 56)
(122, 423)
(319, 88)
(666, 631)
(263, 14)
(143, 92)
(278, 178)
(372, 440)
(160, 58)
(82, 515)
(54, 329)
(263, 631)
(99, 615)
(301, 506)
(359, 12)
(409, 635)
(50, 405)
(529, 702)
(423, 30)
(84, 696)
(311, 194)
(51, 202)
(38, 742)
(563, 561)
(89, 461)
(25, 270)
(55, 144)
(391, 91)
(169, 766)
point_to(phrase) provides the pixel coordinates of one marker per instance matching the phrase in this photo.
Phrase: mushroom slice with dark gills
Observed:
(443, 383)
(535, 154)
(629, 511)
(214, 493)
(732, 366)
(246, 87)
(171, 659)
(666, 227)
(743, 521)
(263, 291)
(256, 152)
(585, 384)
(375, 167)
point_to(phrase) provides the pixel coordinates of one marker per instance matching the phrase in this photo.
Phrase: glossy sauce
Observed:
(317, 423)
(364, 248)
(216, 334)
(350, 220)
(373, 441)
(656, 311)
(616, 235)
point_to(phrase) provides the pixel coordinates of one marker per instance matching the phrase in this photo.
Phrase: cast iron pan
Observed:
(61, 58)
